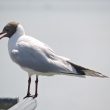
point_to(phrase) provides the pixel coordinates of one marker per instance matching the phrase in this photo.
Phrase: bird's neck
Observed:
(15, 37)
(20, 30)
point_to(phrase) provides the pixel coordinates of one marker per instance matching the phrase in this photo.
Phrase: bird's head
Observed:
(9, 30)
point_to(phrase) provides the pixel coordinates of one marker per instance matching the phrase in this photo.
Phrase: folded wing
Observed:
(39, 57)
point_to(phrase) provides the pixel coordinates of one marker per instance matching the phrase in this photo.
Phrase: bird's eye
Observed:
(7, 29)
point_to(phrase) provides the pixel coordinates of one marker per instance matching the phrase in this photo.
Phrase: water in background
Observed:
(79, 30)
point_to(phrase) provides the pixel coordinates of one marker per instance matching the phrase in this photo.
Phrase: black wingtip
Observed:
(87, 72)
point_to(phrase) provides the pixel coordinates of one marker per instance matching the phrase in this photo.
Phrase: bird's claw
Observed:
(35, 96)
(28, 95)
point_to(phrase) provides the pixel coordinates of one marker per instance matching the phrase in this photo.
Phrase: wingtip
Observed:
(94, 74)
(105, 76)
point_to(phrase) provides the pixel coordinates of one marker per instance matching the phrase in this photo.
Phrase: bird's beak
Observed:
(2, 35)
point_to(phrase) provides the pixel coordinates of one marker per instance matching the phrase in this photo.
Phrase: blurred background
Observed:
(77, 29)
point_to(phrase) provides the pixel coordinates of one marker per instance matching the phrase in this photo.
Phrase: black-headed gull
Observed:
(37, 58)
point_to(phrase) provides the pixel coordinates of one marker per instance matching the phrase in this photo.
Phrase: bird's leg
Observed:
(29, 83)
(28, 92)
(36, 87)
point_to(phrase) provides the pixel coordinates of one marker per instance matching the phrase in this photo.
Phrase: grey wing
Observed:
(43, 59)
(40, 59)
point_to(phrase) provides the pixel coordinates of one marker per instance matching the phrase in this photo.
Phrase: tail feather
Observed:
(89, 72)
(85, 71)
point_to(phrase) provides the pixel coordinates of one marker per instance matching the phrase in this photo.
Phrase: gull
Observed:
(37, 58)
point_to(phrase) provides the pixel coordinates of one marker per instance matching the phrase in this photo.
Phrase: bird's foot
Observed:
(35, 96)
(28, 95)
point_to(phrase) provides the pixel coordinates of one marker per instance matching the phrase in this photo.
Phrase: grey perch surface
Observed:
(6, 103)
(25, 104)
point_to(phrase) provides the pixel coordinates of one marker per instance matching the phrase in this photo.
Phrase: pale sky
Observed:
(79, 31)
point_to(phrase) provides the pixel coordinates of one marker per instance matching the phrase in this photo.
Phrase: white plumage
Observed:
(37, 58)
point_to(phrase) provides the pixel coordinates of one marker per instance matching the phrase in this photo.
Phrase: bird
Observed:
(37, 58)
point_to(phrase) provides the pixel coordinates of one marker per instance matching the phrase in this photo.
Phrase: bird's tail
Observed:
(84, 71)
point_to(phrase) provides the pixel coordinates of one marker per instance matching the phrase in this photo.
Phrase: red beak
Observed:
(3, 34)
